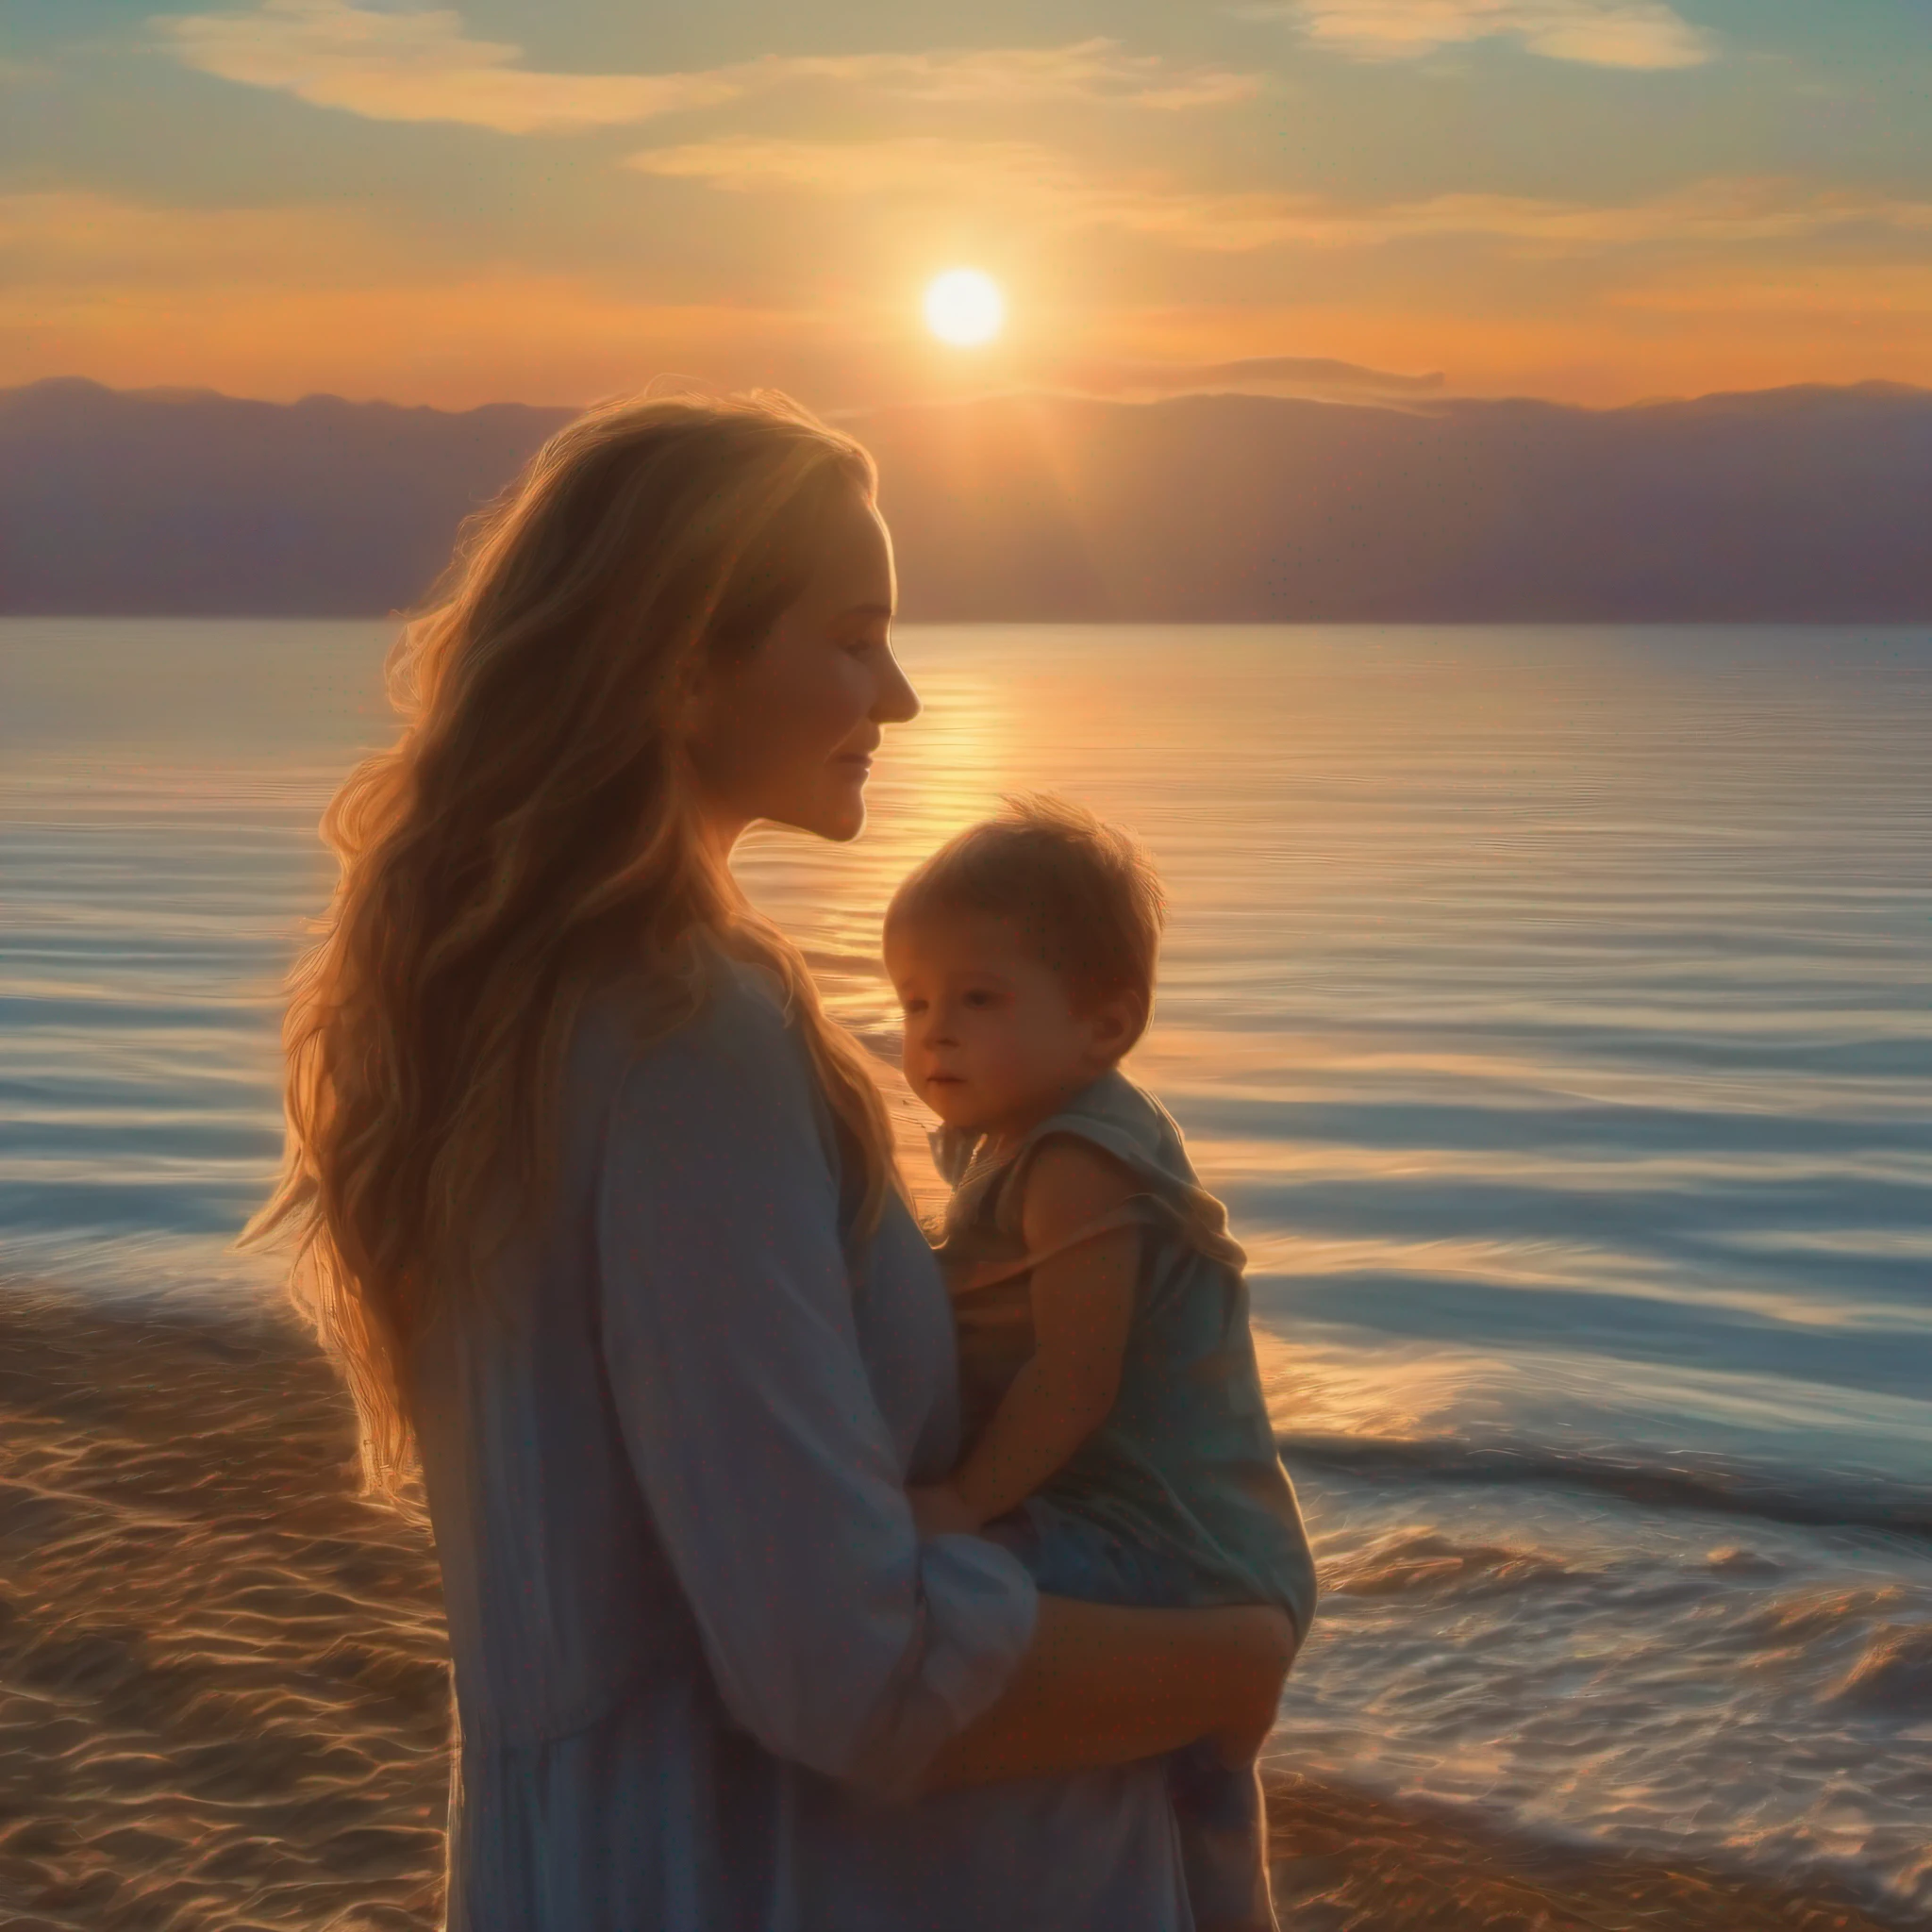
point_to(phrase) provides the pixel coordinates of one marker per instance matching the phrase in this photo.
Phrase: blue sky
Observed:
(1599, 200)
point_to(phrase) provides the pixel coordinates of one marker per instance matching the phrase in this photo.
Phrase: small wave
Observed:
(1893, 1678)
(1813, 1615)
(1847, 1502)
(1412, 1564)
(1736, 1561)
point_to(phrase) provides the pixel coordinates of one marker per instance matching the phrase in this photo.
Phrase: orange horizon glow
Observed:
(562, 340)
(328, 195)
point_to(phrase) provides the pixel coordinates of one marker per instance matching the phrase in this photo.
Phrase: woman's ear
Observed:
(694, 700)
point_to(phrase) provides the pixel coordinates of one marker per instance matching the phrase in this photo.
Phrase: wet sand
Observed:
(224, 1701)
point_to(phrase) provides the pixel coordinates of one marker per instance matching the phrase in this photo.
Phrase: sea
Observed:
(1552, 1007)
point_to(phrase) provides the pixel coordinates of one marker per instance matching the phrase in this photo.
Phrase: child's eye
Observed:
(911, 1009)
(979, 996)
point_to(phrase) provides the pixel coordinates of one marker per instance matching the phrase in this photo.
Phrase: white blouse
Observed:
(701, 1654)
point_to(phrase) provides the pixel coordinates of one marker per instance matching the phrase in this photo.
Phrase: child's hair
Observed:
(1080, 888)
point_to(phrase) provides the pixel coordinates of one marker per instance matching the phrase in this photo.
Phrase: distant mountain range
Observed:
(1786, 505)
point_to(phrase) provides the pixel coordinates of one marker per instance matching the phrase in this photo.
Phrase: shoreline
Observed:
(224, 1700)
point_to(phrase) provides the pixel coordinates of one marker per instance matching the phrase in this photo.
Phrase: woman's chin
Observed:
(837, 820)
(841, 817)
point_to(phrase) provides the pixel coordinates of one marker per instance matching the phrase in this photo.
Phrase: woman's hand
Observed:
(938, 1510)
(1270, 1649)
(1239, 1745)
(1102, 1685)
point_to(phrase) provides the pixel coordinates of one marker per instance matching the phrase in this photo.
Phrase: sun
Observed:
(965, 308)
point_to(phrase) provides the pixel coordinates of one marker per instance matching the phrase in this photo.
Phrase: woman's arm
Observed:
(834, 1635)
(1101, 1685)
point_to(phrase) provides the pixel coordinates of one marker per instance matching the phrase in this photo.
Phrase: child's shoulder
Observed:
(1120, 1117)
(1068, 1183)
(1124, 1120)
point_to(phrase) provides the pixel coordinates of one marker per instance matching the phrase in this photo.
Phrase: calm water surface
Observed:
(1552, 1008)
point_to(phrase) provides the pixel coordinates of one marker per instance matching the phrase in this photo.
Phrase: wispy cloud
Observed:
(1703, 212)
(418, 67)
(1601, 33)
(422, 66)
(26, 73)
(77, 237)
(1024, 181)
(1320, 377)
(1858, 300)
(1034, 185)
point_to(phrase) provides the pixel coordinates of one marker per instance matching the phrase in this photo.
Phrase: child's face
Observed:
(993, 1042)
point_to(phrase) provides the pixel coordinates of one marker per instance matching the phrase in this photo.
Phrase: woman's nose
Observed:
(897, 703)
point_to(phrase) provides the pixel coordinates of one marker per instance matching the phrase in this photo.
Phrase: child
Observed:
(1117, 1435)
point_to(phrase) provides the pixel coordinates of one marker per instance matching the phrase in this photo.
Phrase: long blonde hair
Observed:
(529, 838)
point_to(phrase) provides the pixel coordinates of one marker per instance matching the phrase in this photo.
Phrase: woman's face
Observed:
(787, 732)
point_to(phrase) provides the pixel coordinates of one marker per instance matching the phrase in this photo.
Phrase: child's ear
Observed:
(1117, 1022)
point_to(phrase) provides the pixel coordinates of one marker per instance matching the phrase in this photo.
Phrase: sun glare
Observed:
(964, 307)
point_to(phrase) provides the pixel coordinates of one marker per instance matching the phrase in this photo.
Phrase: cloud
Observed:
(418, 67)
(1715, 211)
(910, 164)
(1009, 76)
(1027, 183)
(78, 238)
(1318, 377)
(422, 66)
(1858, 301)
(1600, 33)
(1022, 180)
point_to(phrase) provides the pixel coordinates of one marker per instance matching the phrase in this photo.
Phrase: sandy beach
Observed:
(224, 1705)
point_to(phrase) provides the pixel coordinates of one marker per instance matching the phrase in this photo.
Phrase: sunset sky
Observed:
(1597, 200)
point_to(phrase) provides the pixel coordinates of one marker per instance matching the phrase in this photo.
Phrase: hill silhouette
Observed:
(1805, 504)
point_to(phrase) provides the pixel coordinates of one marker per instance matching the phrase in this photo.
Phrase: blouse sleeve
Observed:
(837, 1637)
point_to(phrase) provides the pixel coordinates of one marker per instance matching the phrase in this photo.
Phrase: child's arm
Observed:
(1083, 1305)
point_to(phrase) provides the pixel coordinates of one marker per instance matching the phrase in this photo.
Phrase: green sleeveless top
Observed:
(1185, 1463)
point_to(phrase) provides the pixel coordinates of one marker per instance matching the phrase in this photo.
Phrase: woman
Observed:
(597, 1211)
